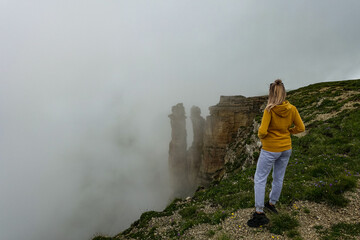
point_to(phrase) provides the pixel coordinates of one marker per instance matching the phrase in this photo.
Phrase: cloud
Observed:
(86, 87)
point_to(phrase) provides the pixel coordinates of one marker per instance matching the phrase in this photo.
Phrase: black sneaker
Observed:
(258, 220)
(271, 208)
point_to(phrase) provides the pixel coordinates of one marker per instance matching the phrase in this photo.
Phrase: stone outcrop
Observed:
(178, 167)
(194, 153)
(205, 159)
(221, 128)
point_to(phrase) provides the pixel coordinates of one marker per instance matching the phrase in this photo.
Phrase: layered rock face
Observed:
(205, 159)
(221, 127)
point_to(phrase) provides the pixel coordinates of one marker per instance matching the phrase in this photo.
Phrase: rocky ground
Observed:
(309, 215)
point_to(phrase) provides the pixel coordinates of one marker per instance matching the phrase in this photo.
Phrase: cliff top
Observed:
(320, 196)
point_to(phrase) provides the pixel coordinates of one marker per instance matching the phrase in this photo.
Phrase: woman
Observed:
(274, 133)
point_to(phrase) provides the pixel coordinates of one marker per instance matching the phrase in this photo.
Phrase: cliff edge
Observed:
(320, 197)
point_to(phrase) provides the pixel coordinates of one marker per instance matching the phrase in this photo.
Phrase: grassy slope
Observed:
(325, 163)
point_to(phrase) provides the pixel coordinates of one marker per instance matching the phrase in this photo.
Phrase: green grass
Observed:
(282, 222)
(306, 210)
(345, 231)
(218, 216)
(232, 193)
(324, 162)
(318, 228)
(294, 234)
(210, 233)
(192, 215)
(188, 212)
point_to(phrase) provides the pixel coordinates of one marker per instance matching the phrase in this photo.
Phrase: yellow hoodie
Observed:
(274, 131)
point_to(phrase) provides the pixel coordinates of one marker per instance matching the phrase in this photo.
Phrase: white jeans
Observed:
(267, 160)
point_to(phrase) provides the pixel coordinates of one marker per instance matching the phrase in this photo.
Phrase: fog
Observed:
(87, 86)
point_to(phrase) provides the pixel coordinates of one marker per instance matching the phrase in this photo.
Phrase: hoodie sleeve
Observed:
(263, 129)
(299, 125)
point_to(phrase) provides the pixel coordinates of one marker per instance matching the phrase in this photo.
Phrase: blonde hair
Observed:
(277, 94)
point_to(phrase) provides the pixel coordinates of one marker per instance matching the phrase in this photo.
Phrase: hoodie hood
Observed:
(282, 110)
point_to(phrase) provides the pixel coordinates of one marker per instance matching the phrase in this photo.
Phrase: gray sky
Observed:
(86, 87)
